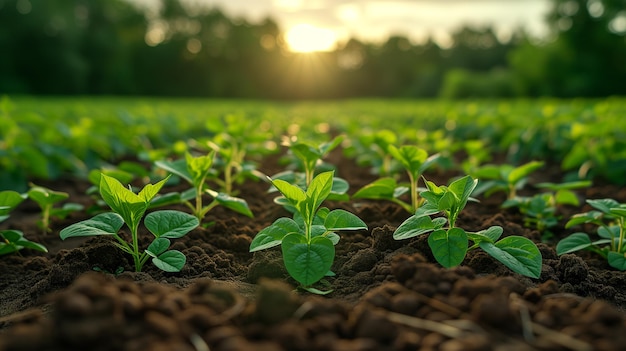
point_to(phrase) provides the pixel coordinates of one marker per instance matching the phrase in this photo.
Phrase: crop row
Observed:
(46, 138)
(213, 146)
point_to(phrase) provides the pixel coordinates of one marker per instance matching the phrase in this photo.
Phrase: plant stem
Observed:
(621, 234)
(136, 257)
(198, 209)
(414, 198)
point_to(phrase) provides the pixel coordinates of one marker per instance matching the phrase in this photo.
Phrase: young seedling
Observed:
(374, 151)
(449, 243)
(196, 170)
(46, 199)
(310, 156)
(235, 138)
(307, 241)
(610, 217)
(415, 161)
(540, 210)
(505, 178)
(129, 208)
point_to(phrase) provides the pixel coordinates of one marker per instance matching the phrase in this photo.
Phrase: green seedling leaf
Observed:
(574, 242)
(14, 240)
(123, 176)
(316, 291)
(199, 167)
(617, 260)
(463, 188)
(491, 234)
(9, 200)
(618, 211)
(236, 204)
(319, 189)
(603, 205)
(587, 217)
(340, 186)
(167, 199)
(411, 157)
(519, 254)
(273, 235)
(66, 210)
(417, 225)
(177, 167)
(343, 220)
(523, 171)
(609, 233)
(292, 193)
(566, 197)
(107, 223)
(307, 262)
(170, 261)
(327, 147)
(158, 246)
(580, 184)
(170, 224)
(46, 197)
(382, 189)
(123, 201)
(449, 247)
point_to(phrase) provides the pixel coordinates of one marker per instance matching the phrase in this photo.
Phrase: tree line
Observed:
(110, 47)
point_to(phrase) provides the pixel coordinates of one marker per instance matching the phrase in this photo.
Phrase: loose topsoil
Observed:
(387, 294)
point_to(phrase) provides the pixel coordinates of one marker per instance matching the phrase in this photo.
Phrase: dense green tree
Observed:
(586, 53)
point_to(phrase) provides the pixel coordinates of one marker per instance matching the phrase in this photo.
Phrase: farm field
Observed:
(368, 270)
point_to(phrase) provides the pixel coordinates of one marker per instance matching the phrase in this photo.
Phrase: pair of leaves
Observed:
(414, 159)
(14, 240)
(335, 220)
(309, 154)
(307, 202)
(449, 199)
(130, 206)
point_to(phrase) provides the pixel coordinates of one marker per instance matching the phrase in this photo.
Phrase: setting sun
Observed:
(308, 38)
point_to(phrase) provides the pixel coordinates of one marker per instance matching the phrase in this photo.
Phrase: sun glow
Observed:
(308, 38)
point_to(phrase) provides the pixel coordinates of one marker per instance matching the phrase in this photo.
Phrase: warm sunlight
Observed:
(308, 38)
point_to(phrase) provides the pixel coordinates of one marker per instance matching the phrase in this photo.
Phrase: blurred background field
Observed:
(288, 49)
(89, 83)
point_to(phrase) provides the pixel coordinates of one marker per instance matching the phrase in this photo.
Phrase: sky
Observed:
(375, 20)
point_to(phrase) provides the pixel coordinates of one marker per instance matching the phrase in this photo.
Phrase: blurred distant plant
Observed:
(415, 161)
(195, 171)
(13, 240)
(504, 178)
(308, 160)
(46, 199)
(373, 150)
(540, 210)
(610, 218)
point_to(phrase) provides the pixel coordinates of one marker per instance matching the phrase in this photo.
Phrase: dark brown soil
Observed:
(387, 294)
